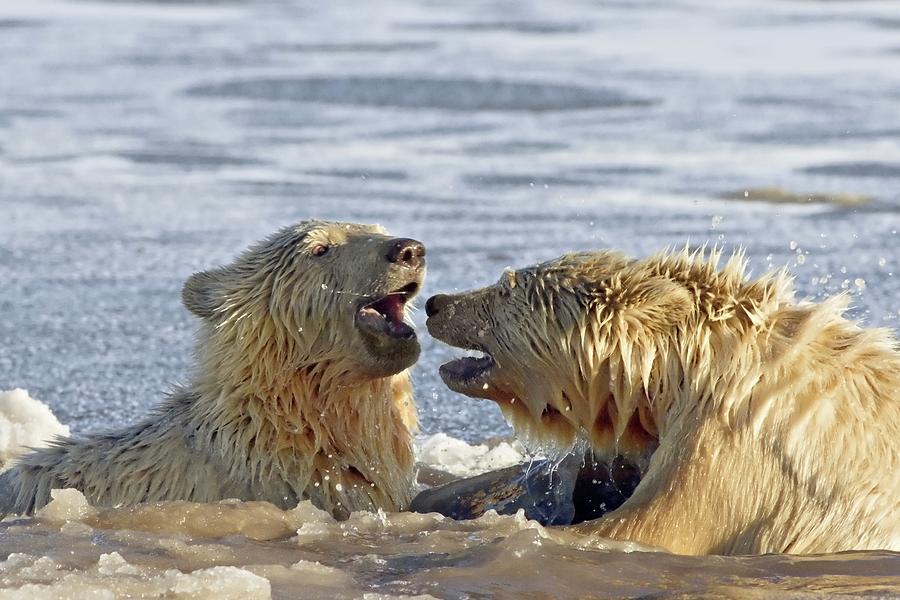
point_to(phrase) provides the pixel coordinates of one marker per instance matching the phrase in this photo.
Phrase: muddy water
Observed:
(253, 550)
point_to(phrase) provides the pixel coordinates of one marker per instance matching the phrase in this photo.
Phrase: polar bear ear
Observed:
(201, 293)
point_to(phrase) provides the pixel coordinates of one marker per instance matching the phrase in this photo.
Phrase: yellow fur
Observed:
(287, 402)
(763, 424)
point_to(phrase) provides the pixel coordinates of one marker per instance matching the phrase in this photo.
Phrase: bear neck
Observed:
(338, 443)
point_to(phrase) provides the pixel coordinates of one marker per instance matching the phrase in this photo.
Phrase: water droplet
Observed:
(324, 286)
(339, 487)
(801, 258)
(793, 245)
(882, 262)
(860, 283)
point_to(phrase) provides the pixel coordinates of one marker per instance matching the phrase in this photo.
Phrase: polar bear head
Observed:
(314, 296)
(597, 345)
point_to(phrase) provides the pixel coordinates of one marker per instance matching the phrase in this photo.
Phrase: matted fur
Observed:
(284, 404)
(763, 424)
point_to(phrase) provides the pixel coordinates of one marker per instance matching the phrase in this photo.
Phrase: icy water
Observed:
(142, 142)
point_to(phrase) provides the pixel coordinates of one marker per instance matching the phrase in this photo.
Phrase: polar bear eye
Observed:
(319, 250)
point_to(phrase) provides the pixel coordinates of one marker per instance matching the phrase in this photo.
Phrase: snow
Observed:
(24, 422)
(459, 458)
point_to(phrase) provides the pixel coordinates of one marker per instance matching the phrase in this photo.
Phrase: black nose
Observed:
(436, 304)
(406, 251)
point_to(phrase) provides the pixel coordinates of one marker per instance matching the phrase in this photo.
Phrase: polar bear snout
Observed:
(406, 252)
(436, 304)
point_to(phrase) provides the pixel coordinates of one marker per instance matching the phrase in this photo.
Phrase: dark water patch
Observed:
(783, 20)
(205, 57)
(517, 181)
(614, 170)
(856, 169)
(414, 92)
(780, 101)
(284, 140)
(88, 98)
(378, 174)
(291, 118)
(46, 159)
(20, 23)
(579, 177)
(435, 131)
(293, 189)
(141, 133)
(9, 114)
(353, 47)
(48, 201)
(537, 27)
(885, 23)
(814, 134)
(512, 147)
(776, 195)
(188, 161)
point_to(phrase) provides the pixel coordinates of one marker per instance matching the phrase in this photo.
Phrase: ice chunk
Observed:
(455, 456)
(24, 422)
(67, 505)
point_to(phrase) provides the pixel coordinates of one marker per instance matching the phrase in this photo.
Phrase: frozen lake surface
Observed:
(141, 142)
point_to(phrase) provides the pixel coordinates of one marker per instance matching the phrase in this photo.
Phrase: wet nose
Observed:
(406, 251)
(436, 304)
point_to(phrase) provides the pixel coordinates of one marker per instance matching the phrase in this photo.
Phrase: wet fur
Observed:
(277, 408)
(764, 424)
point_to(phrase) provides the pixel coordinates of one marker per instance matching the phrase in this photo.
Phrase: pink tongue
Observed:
(393, 308)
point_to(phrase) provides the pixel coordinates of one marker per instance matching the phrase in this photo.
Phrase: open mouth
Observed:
(467, 372)
(384, 316)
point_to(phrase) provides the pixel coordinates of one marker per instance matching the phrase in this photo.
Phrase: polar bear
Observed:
(300, 391)
(761, 424)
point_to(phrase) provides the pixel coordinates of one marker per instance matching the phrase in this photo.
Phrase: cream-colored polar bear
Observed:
(300, 388)
(762, 424)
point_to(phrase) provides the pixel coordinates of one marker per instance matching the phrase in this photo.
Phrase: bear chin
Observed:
(385, 357)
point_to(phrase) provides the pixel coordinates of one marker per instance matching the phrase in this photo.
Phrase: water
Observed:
(142, 142)
(253, 550)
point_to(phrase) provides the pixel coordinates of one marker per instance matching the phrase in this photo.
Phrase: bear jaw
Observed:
(388, 343)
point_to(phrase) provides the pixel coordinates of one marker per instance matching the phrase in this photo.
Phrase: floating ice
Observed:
(447, 453)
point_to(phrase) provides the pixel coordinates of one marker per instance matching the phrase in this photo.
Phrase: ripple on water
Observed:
(856, 169)
(362, 47)
(533, 27)
(413, 92)
(187, 160)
